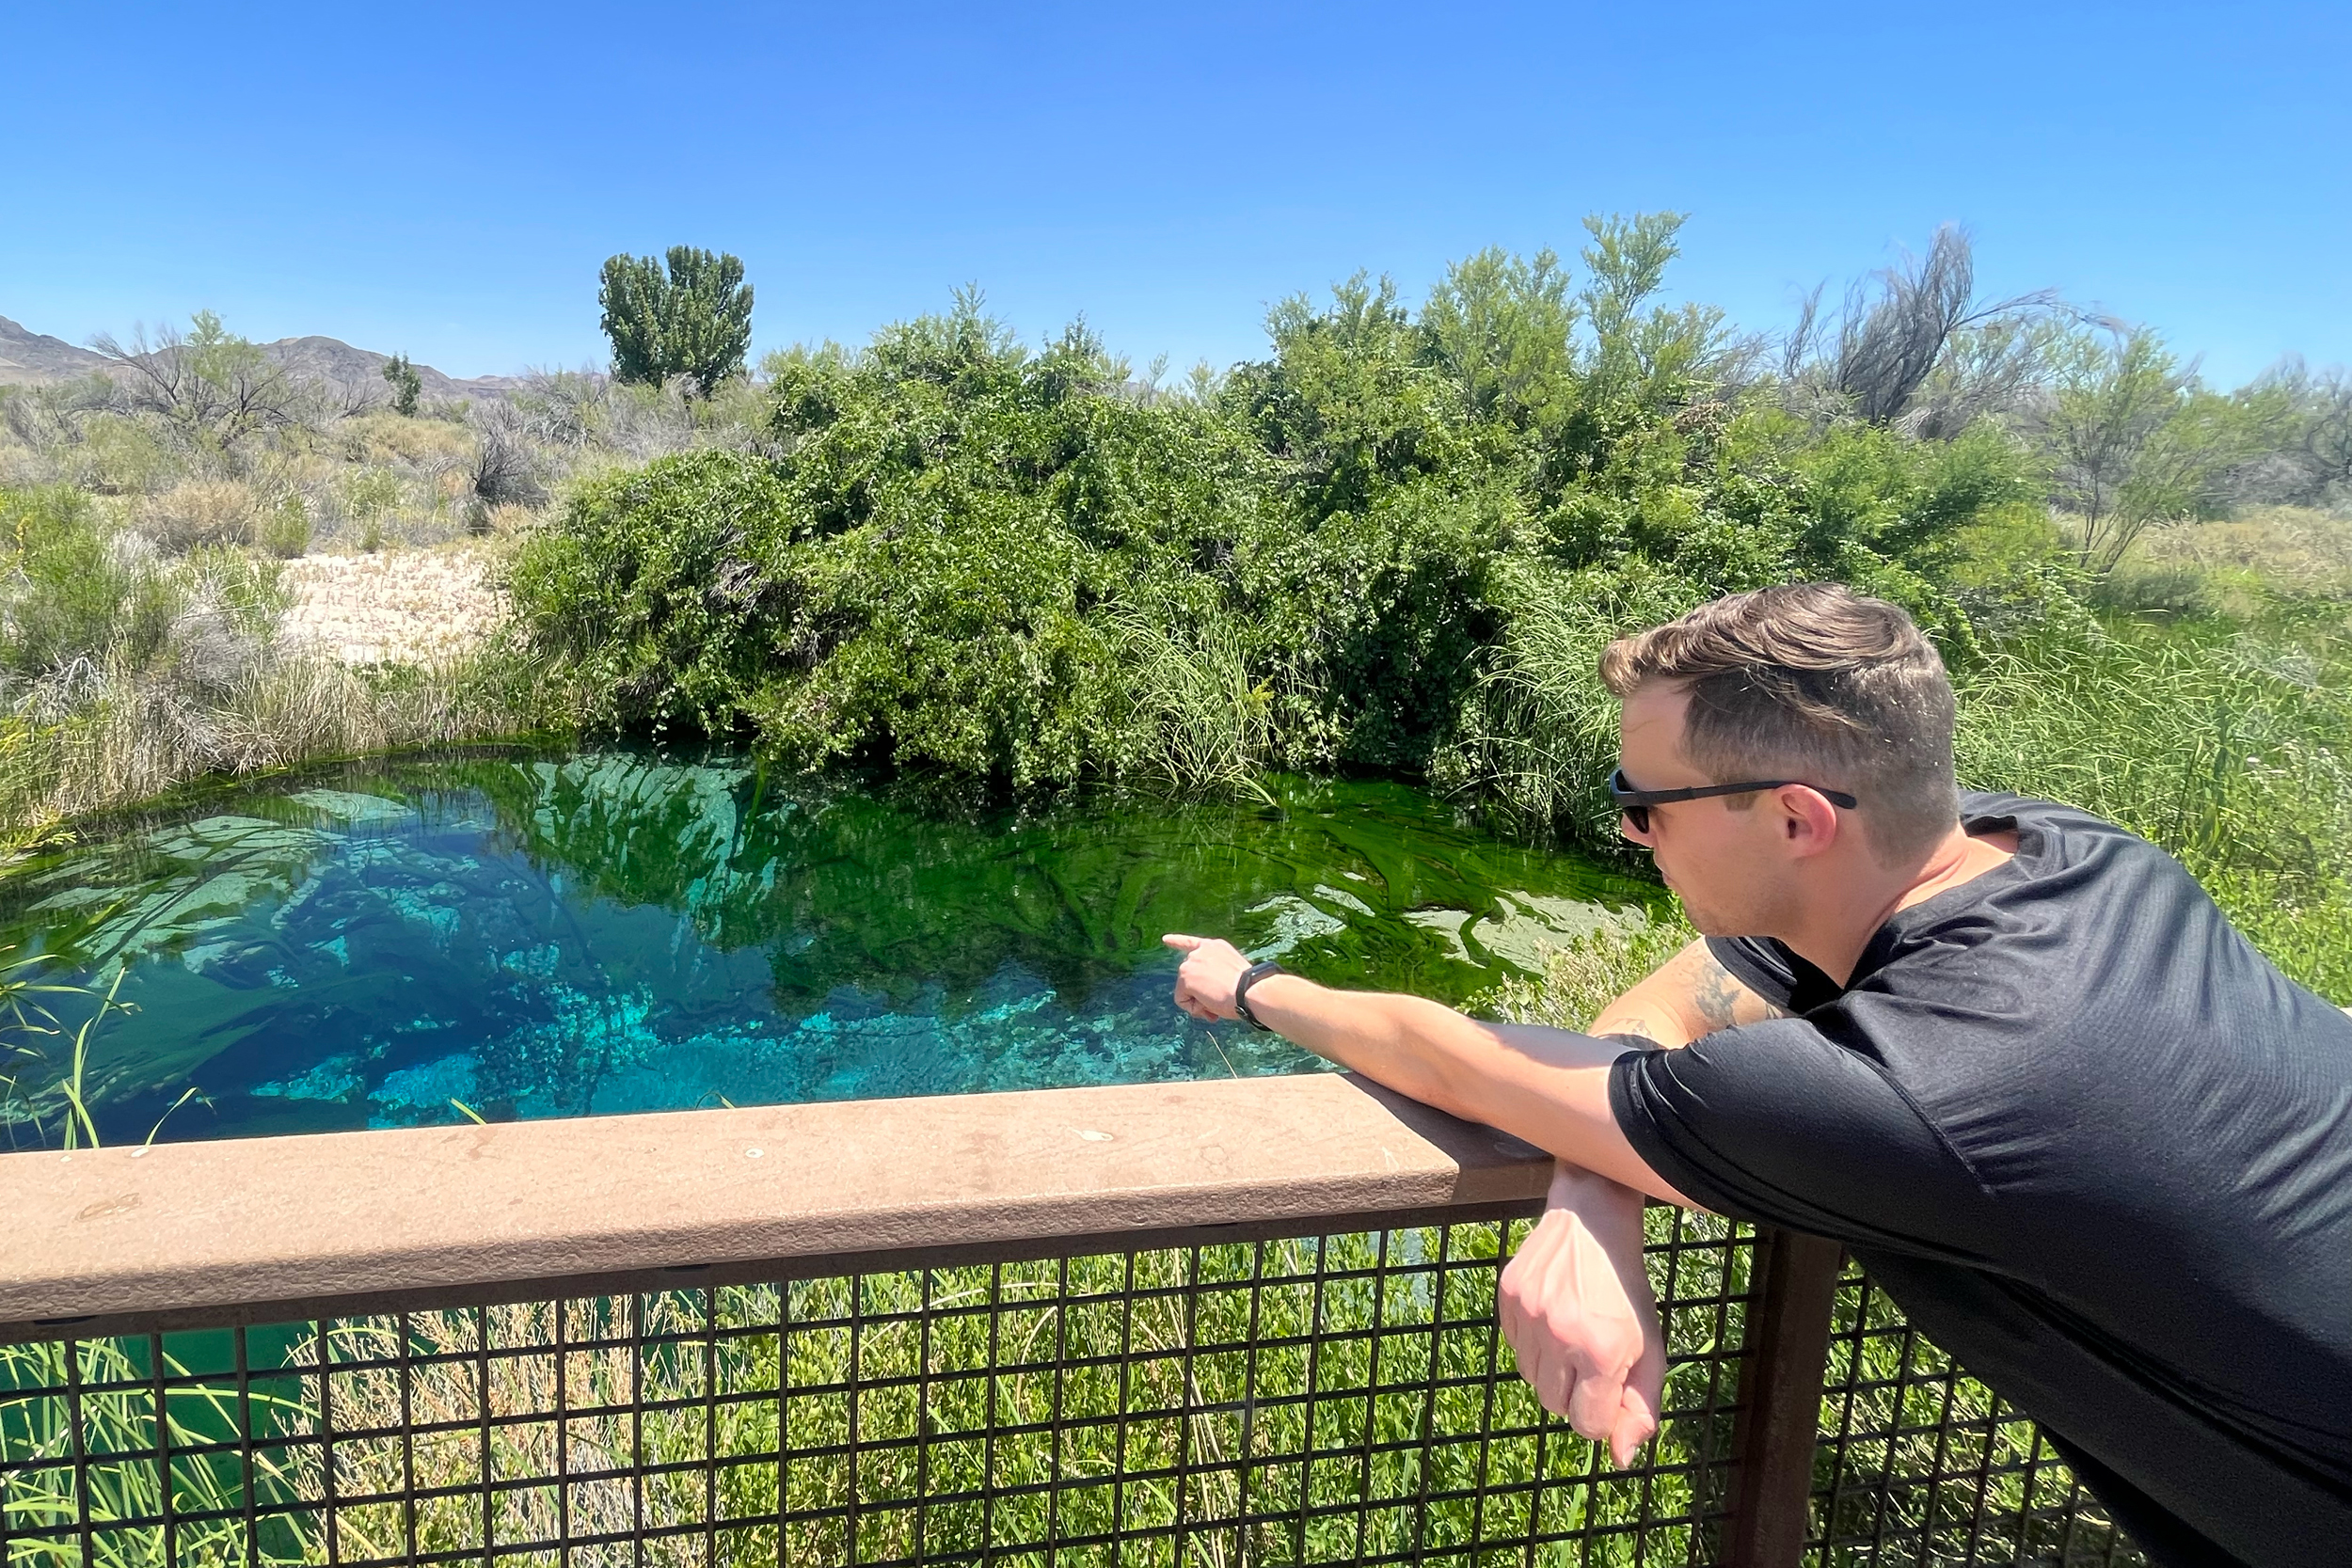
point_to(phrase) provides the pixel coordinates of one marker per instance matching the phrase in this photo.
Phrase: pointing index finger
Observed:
(1181, 943)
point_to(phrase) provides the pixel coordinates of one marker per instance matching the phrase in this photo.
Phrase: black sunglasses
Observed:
(1636, 803)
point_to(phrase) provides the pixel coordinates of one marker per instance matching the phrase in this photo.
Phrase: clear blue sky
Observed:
(447, 179)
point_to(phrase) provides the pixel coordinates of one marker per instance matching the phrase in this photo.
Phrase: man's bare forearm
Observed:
(1609, 1210)
(1413, 1045)
(1550, 1086)
(1575, 1304)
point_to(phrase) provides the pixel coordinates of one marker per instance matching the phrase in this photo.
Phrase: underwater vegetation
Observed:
(510, 932)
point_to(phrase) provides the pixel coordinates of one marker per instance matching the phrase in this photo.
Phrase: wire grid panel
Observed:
(1920, 1464)
(1323, 1400)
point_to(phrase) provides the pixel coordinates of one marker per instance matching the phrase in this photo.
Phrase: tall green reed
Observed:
(1205, 722)
(2236, 755)
(96, 1434)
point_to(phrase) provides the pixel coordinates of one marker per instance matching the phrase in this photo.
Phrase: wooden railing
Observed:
(1243, 1321)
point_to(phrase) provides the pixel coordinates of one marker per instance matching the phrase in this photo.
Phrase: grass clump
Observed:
(2245, 568)
(125, 671)
(2229, 747)
(125, 1494)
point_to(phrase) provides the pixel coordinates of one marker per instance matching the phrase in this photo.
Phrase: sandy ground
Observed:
(401, 607)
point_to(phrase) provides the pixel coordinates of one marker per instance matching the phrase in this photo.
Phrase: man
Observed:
(2095, 1145)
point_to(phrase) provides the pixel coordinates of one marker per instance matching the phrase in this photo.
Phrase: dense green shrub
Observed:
(936, 571)
(74, 593)
(1353, 553)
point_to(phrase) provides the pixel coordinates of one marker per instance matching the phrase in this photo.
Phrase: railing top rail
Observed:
(242, 1229)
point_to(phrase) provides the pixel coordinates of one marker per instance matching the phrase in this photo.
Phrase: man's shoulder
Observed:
(1982, 809)
(2058, 930)
(2063, 843)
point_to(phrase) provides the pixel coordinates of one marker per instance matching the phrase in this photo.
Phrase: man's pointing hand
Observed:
(1205, 986)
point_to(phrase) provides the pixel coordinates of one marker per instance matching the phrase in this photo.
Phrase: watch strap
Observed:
(1249, 977)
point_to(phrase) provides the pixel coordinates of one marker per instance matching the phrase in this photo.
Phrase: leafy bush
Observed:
(215, 387)
(125, 456)
(283, 528)
(75, 594)
(85, 607)
(1357, 553)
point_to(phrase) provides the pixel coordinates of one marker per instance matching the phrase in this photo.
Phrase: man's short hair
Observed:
(1811, 682)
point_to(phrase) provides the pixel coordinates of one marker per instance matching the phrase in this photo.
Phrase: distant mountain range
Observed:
(34, 359)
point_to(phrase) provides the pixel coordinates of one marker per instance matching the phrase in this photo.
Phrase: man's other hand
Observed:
(1576, 1309)
(1205, 986)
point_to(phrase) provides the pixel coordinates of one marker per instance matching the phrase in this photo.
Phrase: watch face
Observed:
(1250, 976)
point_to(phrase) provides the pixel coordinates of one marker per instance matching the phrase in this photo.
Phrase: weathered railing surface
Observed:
(1211, 1323)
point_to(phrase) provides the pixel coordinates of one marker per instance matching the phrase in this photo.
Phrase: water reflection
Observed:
(524, 934)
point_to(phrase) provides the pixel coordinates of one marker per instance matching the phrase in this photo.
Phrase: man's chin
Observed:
(1707, 922)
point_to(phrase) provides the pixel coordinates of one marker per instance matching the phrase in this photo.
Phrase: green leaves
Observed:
(632, 297)
(1656, 358)
(694, 323)
(1502, 326)
(2135, 440)
(1033, 568)
(658, 586)
(71, 597)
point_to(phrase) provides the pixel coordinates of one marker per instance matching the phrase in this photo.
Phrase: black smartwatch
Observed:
(1249, 977)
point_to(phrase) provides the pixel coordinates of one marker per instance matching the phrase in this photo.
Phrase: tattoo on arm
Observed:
(1688, 997)
(1717, 997)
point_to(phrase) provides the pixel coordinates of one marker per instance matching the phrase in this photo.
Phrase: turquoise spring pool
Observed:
(509, 932)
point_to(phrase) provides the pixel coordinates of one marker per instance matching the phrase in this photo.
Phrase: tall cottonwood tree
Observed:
(406, 384)
(695, 321)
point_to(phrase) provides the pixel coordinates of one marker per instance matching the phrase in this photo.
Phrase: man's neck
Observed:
(1833, 940)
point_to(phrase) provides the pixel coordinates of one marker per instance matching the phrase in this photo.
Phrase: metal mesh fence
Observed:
(1328, 1399)
(1920, 1464)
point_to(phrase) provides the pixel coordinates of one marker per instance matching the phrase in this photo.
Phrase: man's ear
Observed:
(1809, 824)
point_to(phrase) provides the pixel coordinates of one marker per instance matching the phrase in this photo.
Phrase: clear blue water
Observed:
(522, 933)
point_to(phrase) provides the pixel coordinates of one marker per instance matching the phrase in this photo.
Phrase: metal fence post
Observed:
(1780, 1399)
